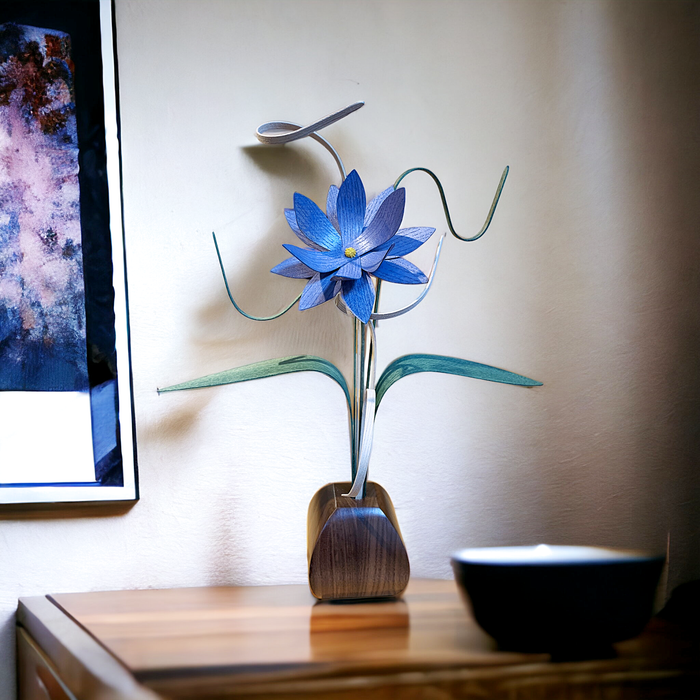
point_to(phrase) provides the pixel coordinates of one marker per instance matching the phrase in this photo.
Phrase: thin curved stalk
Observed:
(294, 132)
(357, 490)
(233, 301)
(356, 391)
(446, 208)
(303, 131)
(400, 312)
(372, 361)
(376, 301)
(293, 129)
(376, 316)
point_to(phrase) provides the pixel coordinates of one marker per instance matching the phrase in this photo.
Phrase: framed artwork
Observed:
(66, 412)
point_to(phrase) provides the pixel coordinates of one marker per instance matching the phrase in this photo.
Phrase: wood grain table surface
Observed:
(231, 640)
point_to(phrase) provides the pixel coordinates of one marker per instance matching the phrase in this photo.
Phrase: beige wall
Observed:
(587, 281)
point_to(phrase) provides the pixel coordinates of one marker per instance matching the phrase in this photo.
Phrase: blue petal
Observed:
(351, 208)
(318, 260)
(291, 267)
(314, 224)
(406, 241)
(292, 221)
(358, 296)
(350, 271)
(291, 217)
(373, 206)
(332, 206)
(400, 271)
(384, 225)
(319, 289)
(371, 261)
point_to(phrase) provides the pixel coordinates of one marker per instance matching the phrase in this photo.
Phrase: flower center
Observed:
(350, 252)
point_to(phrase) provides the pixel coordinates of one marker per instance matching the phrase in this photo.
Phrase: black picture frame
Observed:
(111, 416)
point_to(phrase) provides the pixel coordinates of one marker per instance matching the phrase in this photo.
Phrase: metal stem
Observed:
(356, 395)
(487, 223)
(233, 301)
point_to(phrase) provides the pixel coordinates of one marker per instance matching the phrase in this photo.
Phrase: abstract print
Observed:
(42, 291)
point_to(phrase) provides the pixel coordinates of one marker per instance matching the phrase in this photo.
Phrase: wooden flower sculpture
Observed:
(348, 252)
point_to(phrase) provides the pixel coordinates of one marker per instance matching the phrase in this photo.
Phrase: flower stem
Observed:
(357, 386)
(369, 395)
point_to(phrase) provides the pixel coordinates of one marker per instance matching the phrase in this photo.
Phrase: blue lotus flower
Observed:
(350, 243)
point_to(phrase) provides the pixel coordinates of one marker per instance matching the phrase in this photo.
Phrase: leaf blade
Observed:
(266, 368)
(442, 364)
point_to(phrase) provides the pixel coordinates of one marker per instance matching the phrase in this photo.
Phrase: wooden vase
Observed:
(354, 546)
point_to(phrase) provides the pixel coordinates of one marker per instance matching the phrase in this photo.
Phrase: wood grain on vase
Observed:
(354, 546)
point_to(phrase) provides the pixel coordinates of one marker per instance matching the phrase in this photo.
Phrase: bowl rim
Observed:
(546, 555)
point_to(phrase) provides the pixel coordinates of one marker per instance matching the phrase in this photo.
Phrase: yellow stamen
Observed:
(350, 252)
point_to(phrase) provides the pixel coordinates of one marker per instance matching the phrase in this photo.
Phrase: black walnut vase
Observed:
(354, 546)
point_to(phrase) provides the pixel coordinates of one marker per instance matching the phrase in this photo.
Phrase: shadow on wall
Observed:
(613, 454)
(656, 55)
(224, 338)
(290, 169)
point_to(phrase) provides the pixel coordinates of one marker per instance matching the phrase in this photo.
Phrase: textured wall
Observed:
(587, 281)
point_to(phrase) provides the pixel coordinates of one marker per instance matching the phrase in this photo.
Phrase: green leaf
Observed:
(412, 364)
(267, 368)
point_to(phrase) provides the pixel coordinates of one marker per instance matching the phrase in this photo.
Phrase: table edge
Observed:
(87, 668)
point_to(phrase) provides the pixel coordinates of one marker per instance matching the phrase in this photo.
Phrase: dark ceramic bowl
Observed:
(570, 601)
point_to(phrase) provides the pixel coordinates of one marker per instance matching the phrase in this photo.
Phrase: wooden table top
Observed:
(175, 639)
(282, 628)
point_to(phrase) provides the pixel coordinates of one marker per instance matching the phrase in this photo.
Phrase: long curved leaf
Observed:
(267, 368)
(412, 364)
